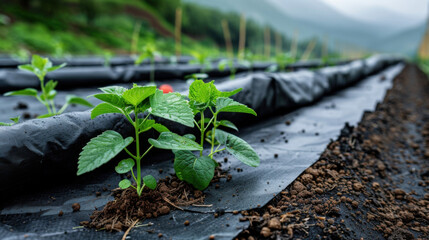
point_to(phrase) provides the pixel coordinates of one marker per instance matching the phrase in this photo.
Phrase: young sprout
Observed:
(206, 99)
(40, 67)
(230, 63)
(137, 104)
(15, 121)
(201, 58)
(149, 51)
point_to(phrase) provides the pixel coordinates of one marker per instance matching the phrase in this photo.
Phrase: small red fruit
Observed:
(166, 88)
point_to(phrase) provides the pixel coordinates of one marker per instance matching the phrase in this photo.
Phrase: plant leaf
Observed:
(228, 105)
(124, 184)
(72, 99)
(100, 150)
(104, 108)
(114, 99)
(50, 85)
(23, 92)
(169, 140)
(146, 125)
(228, 124)
(198, 171)
(200, 91)
(136, 95)
(15, 119)
(160, 128)
(238, 147)
(125, 166)
(171, 106)
(149, 181)
(114, 90)
(47, 115)
(51, 69)
(27, 67)
(39, 62)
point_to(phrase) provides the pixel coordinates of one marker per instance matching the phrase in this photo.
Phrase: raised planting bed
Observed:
(371, 183)
(41, 158)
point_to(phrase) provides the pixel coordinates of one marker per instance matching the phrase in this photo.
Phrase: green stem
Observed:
(202, 132)
(220, 150)
(213, 134)
(136, 128)
(129, 153)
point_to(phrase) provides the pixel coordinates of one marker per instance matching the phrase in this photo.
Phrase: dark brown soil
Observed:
(372, 183)
(170, 194)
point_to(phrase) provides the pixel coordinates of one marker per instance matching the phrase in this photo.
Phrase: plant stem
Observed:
(136, 128)
(213, 134)
(202, 132)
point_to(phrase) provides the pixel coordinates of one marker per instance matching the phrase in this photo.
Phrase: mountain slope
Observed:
(310, 18)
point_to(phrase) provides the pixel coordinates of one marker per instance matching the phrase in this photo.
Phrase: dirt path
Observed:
(372, 183)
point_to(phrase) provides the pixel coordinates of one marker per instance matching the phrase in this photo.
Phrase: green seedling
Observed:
(199, 170)
(201, 58)
(282, 61)
(149, 51)
(230, 63)
(15, 121)
(40, 67)
(143, 101)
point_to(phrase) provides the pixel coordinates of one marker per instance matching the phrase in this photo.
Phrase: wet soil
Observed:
(371, 183)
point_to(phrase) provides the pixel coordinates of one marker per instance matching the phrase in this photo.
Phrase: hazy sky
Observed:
(412, 11)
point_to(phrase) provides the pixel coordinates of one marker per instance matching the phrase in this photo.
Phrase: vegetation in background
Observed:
(94, 27)
(40, 67)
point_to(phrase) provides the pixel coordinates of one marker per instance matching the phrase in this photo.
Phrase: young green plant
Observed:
(142, 102)
(230, 63)
(149, 51)
(40, 67)
(15, 120)
(205, 98)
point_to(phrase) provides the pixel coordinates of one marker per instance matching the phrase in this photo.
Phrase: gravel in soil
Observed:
(372, 183)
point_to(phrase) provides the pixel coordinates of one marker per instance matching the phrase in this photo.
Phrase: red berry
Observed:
(166, 88)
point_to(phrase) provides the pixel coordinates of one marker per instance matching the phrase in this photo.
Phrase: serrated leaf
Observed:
(149, 181)
(200, 92)
(228, 105)
(5, 124)
(124, 166)
(72, 99)
(104, 108)
(169, 140)
(23, 92)
(238, 147)
(198, 171)
(114, 99)
(124, 184)
(160, 128)
(114, 90)
(171, 106)
(136, 95)
(228, 124)
(100, 150)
